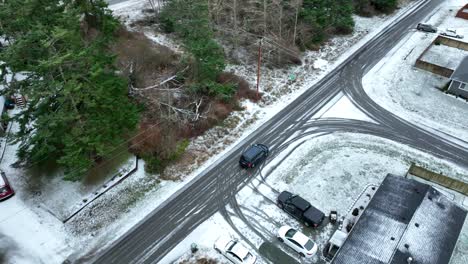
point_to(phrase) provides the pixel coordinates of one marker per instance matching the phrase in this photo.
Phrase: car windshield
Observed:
(3, 189)
(291, 232)
(309, 245)
(231, 245)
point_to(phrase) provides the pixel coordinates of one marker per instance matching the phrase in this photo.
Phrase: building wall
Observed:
(459, 89)
(463, 12)
(451, 42)
(436, 69)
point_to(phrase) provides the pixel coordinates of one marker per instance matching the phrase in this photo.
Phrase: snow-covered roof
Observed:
(461, 73)
(2, 103)
(404, 218)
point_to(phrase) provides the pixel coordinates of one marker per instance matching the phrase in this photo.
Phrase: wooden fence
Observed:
(450, 183)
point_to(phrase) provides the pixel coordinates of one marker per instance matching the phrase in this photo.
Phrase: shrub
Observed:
(152, 163)
(385, 5)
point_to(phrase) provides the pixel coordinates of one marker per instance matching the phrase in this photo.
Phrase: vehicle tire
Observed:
(280, 239)
(302, 255)
(306, 224)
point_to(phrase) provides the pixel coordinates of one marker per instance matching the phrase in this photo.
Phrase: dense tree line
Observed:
(78, 110)
(320, 18)
(303, 24)
(371, 7)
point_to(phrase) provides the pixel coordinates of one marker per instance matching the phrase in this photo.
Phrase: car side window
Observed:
(259, 155)
(295, 243)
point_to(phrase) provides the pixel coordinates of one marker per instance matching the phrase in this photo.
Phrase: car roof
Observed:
(338, 238)
(222, 242)
(300, 238)
(299, 202)
(251, 152)
(239, 250)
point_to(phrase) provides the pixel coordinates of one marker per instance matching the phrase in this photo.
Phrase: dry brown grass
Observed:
(154, 138)
(243, 89)
(150, 61)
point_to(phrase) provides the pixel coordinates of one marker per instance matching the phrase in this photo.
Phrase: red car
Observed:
(5, 189)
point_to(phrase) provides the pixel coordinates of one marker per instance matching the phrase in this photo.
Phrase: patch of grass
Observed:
(154, 164)
(136, 193)
(180, 149)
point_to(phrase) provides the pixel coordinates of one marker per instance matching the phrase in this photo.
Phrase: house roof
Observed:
(2, 104)
(404, 218)
(461, 72)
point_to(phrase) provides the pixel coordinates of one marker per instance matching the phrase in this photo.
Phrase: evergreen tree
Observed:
(78, 109)
(190, 20)
(323, 16)
(385, 5)
(342, 16)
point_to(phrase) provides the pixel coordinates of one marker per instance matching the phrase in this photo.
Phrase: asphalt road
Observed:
(210, 192)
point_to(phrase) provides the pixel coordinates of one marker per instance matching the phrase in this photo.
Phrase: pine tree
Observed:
(385, 5)
(190, 20)
(78, 109)
(342, 16)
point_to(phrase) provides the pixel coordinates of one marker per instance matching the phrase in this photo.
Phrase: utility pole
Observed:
(259, 65)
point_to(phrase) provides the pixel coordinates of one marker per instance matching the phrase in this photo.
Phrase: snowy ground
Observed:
(414, 94)
(312, 172)
(52, 241)
(445, 56)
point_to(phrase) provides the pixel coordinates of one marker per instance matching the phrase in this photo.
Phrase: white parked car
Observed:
(234, 251)
(452, 34)
(297, 241)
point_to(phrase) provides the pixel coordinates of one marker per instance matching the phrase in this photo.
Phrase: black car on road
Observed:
(254, 155)
(300, 209)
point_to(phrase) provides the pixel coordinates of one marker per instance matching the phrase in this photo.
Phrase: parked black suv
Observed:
(426, 27)
(253, 156)
(300, 209)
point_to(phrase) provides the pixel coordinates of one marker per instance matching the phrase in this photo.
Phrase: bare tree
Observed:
(298, 4)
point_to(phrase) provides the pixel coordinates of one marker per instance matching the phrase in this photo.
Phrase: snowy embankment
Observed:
(414, 94)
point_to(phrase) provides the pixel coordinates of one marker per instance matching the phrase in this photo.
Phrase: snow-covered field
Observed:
(44, 239)
(445, 56)
(312, 172)
(395, 84)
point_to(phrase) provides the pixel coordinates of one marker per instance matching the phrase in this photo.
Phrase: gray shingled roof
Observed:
(404, 218)
(461, 73)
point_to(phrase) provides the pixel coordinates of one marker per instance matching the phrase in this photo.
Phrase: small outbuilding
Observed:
(459, 80)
